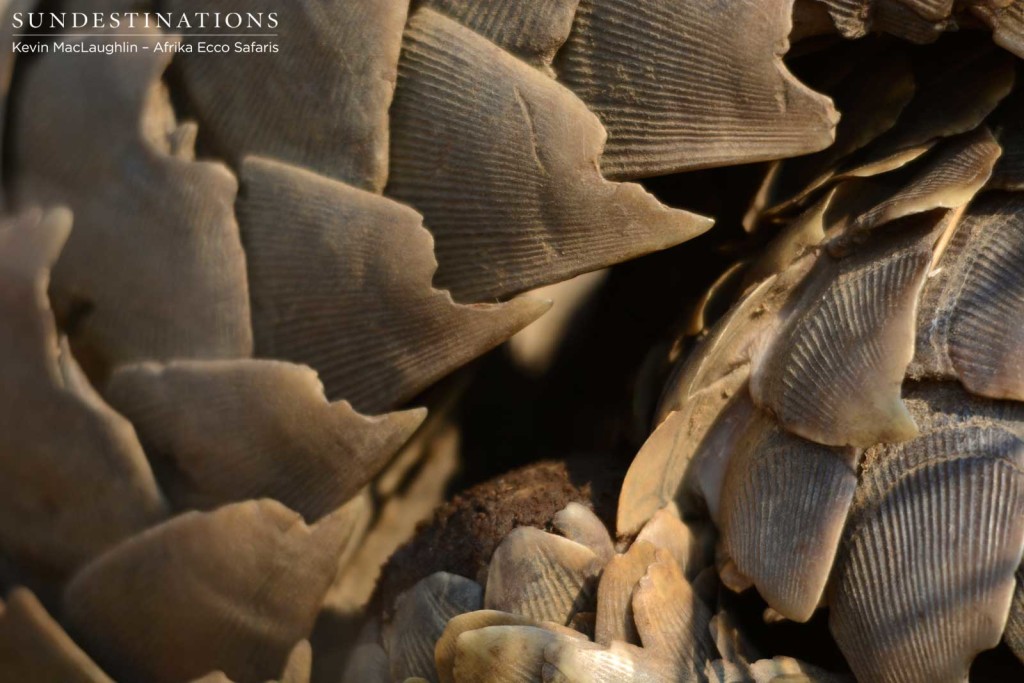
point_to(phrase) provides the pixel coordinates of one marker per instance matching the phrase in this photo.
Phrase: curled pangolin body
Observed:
(228, 283)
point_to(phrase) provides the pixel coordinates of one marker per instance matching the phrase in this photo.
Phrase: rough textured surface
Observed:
(784, 503)
(543, 576)
(502, 163)
(1007, 24)
(706, 87)
(73, 478)
(948, 178)
(532, 30)
(231, 590)
(226, 431)
(265, 103)
(145, 212)
(972, 308)
(943, 513)
(421, 614)
(832, 373)
(465, 531)
(369, 322)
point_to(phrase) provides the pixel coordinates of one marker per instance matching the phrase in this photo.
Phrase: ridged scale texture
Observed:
(784, 502)
(615, 594)
(230, 590)
(340, 281)
(320, 102)
(851, 17)
(448, 646)
(532, 30)
(949, 178)
(671, 618)
(937, 529)
(682, 85)
(1007, 24)
(502, 653)
(234, 430)
(970, 319)
(542, 576)
(113, 112)
(832, 374)
(421, 615)
(73, 477)
(502, 163)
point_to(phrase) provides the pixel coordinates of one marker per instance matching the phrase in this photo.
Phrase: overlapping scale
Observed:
(73, 477)
(783, 505)
(231, 430)
(670, 617)
(542, 576)
(924, 578)
(956, 90)
(502, 163)
(340, 281)
(688, 544)
(832, 374)
(421, 614)
(871, 100)
(509, 654)
(154, 269)
(231, 590)
(851, 17)
(943, 404)
(1007, 24)
(713, 378)
(264, 103)
(619, 578)
(532, 30)
(950, 177)
(578, 523)
(683, 85)
(970, 319)
(447, 648)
